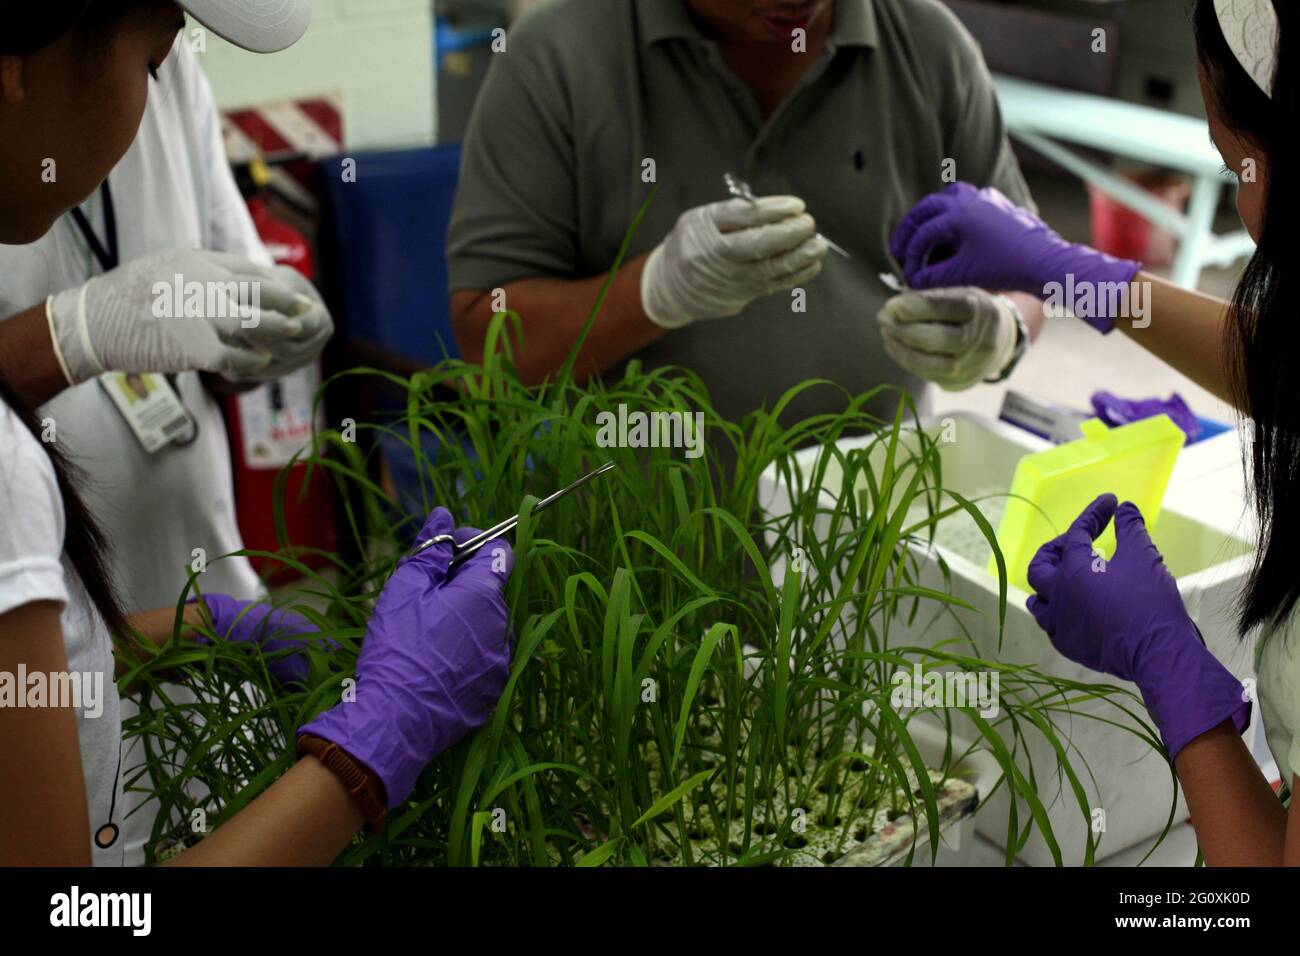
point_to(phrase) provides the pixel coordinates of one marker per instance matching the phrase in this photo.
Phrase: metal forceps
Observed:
(464, 551)
(741, 190)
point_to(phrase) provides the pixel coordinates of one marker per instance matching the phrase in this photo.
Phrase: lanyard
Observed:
(108, 256)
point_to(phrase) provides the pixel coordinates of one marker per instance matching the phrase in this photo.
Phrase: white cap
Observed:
(1251, 29)
(263, 26)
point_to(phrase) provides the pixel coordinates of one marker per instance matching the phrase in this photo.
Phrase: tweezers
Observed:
(463, 551)
(741, 190)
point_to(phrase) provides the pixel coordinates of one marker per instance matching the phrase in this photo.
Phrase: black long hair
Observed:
(32, 26)
(1263, 338)
(28, 28)
(84, 544)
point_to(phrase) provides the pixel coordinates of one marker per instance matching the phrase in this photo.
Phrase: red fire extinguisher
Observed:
(268, 426)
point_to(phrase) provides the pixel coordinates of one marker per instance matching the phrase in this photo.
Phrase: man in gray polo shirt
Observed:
(848, 111)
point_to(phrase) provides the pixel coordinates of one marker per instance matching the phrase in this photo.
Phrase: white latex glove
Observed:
(722, 256)
(127, 320)
(954, 337)
(293, 352)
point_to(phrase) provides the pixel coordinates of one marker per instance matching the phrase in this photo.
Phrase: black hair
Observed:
(29, 28)
(33, 26)
(1263, 342)
(84, 544)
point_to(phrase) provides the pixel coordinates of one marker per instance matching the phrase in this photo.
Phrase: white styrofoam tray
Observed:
(1128, 781)
(956, 842)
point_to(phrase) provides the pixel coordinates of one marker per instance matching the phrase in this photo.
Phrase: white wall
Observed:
(378, 54)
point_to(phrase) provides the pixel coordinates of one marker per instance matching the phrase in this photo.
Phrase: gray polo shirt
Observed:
(587, 90)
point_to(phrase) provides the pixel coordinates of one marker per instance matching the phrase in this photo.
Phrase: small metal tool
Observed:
(463, 551)
(937, 254)
(893, 282)
(741, 190)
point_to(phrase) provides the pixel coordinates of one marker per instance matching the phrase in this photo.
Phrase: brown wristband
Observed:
(365, 787)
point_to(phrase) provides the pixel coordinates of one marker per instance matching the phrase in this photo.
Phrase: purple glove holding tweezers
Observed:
(434, 662)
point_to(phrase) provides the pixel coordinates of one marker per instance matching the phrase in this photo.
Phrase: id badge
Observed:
(151, 407)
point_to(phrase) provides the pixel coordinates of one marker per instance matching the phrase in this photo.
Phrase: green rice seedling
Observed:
(669, 701)
(696, 680)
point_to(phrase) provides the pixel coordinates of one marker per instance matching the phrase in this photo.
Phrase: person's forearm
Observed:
(44, 819)
(306, 818)
(1239, 821)
(1185, 329)
(553, 312)
(1031, 310)
(155, 629)
(28, 364)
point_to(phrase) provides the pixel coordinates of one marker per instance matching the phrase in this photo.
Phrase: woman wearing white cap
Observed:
(170, 207)
(74, 79)
(1130, 622)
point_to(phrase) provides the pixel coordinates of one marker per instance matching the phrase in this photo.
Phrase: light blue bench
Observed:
(1045, 117)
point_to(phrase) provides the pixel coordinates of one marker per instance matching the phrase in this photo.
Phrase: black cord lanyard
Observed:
(109, 257)
(107, 834)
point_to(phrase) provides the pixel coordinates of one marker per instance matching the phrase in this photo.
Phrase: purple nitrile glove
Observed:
(252, 622)
(434, 662)
(965, 236)
(1125, 617)
(1116, 411)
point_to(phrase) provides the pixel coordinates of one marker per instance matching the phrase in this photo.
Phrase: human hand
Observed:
(965, 236)
(722, 256)
(953, 337)
(1125, 617)
(141, 317)
(434, 662)
(274, 630)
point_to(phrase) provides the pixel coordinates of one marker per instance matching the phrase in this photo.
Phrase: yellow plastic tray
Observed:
(1132, 462)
